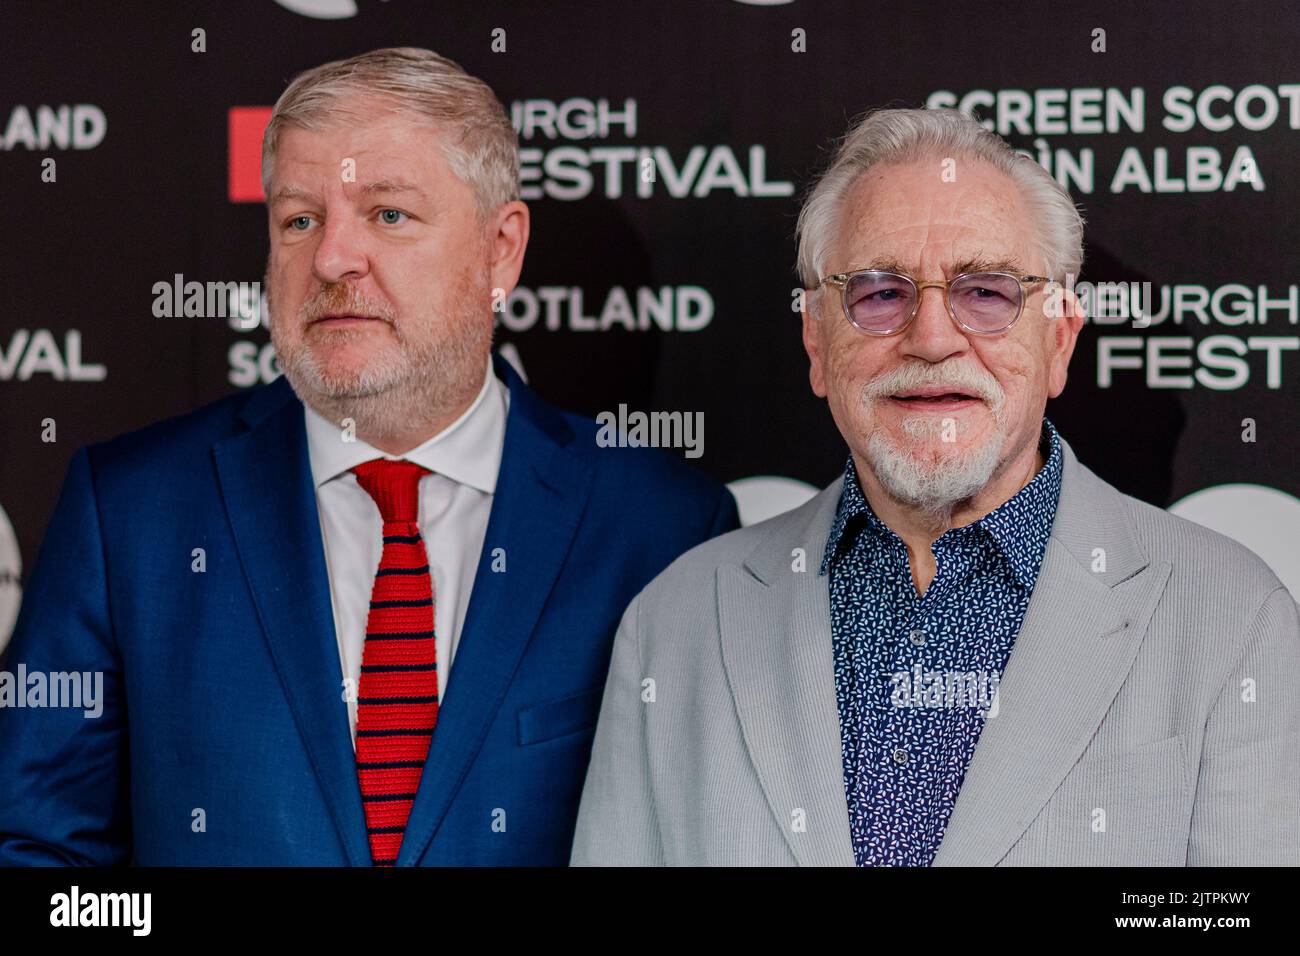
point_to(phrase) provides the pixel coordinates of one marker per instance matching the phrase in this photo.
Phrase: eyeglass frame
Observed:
(841, 279)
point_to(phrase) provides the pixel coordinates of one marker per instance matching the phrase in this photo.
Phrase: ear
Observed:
(507, 236)
(813, 335)
(1065, 333)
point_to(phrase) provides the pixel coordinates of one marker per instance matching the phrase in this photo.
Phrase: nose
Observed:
(341, 253)
(933, 336)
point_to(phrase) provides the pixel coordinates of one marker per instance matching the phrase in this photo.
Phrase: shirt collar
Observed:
(1022, 525)
(467, 451)
(1019, 526)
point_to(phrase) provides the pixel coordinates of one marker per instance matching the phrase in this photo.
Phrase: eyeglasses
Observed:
(883, 303)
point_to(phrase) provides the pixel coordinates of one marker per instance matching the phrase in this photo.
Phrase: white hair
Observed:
(901, 135)
(479, 143)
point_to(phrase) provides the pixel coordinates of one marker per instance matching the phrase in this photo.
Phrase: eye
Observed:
(389, 216)
(983, 293)
(293, 223)
(877, 289)
(986, 289)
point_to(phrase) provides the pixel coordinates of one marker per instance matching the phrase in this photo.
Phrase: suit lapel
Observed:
(540, 495)
(277, 537)
(776, 647)
(1081, 633)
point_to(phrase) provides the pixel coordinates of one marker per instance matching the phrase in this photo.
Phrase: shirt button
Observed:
(917, 638)
(900, 756)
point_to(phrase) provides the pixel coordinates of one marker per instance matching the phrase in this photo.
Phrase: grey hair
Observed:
(479, 143)
(901, 135)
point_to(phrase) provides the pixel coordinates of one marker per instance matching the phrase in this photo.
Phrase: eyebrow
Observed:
(285, 193)
(385, 187)
(976, 264)
(380, 187)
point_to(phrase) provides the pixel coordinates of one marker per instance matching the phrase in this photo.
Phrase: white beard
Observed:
(934, 487)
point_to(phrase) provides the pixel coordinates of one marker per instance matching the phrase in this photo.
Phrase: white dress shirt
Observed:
(454, 505)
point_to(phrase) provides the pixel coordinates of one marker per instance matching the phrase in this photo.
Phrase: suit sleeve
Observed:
(617, 825)
(1247, 808)
(63, 770)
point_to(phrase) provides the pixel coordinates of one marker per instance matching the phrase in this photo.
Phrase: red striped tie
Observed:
(397, 704)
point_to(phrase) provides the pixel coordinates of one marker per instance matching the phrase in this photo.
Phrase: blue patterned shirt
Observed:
(916, 675)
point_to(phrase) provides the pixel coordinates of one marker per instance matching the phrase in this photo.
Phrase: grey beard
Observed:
(382, 416)
(386, 402)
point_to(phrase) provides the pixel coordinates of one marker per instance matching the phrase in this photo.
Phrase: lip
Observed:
(940, 399)
(342, 321)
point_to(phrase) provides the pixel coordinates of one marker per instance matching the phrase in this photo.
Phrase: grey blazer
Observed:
(1149, 714)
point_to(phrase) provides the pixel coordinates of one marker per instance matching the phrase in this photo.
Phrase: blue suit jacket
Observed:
(224, 736)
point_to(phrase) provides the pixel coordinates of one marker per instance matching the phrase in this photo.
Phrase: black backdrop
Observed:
(735, 101)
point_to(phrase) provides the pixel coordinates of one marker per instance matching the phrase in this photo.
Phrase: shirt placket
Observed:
(918, 648)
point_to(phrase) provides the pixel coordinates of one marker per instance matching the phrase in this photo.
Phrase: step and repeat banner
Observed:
(129, 149)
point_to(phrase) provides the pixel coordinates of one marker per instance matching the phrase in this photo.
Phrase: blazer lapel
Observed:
(776, 647)
(277, 537)
(539, 499)
(1081, 633)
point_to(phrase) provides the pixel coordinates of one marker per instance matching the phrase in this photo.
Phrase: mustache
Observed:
(957, 377)
(343, 299)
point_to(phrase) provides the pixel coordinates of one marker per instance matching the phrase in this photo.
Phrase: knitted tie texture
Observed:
(397, 701)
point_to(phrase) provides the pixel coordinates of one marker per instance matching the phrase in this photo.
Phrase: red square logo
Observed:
(245, 126)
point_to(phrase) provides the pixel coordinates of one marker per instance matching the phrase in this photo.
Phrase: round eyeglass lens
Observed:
(879, 301)
(986, 302)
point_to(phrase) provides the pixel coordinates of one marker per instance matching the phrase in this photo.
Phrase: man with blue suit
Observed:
(361, 615)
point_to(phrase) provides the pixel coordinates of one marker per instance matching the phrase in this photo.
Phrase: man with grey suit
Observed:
(968, 649)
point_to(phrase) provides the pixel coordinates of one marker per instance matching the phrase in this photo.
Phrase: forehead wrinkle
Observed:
(954, 265)
(980, 212)
(392, 187)
(371, 141)
(380, 187)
